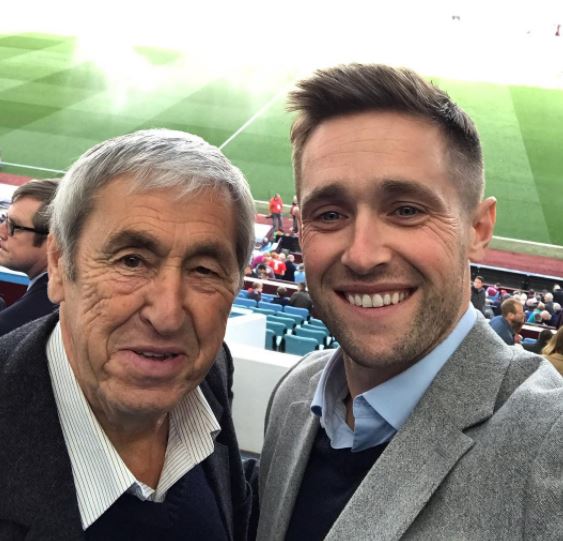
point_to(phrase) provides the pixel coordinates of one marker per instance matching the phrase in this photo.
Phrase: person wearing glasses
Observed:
(23, 247)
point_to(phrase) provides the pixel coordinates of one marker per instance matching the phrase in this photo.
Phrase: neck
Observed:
(142, 448)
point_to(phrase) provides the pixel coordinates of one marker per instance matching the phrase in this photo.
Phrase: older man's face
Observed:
(385, 239)
(145, 317)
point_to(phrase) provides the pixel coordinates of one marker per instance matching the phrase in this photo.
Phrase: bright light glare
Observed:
(498, 41)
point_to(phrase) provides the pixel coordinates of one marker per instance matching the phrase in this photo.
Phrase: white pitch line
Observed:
(23, 166)
(530, 242)
(261, 111)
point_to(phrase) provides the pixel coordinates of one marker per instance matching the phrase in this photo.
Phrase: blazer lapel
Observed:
(428, 446)
(300, 427)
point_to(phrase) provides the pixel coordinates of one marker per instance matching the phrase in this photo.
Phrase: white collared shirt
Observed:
(100, 475)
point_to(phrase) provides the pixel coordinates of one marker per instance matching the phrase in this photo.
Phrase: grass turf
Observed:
(55, 104)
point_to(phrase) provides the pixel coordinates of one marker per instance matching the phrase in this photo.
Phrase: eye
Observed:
(204, 271)
(407, 211)
(132, 261)
(330, 216)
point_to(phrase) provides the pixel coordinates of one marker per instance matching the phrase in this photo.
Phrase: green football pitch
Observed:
(55, 104)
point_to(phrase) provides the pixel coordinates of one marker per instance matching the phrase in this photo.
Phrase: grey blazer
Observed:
(479, 458)
(38, 499)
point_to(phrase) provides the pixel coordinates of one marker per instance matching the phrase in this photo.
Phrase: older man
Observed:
(424, 425)
(115, 413)
(23, 248)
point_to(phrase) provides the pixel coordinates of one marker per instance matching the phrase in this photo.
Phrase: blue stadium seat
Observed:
(270, 306)
(319, 335)
(298, 345)
(247, 303)
(267, 297)
(278, 328)
(303, 312)
(287, 323)
(243, 294)
(264, 311)
(334, 344)
(297, 320)
(271, 340)
(318, 328)
(317, 322)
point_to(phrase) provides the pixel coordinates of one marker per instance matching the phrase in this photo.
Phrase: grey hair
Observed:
(155, 159)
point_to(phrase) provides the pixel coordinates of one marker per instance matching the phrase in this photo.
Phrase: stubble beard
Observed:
(434, 318)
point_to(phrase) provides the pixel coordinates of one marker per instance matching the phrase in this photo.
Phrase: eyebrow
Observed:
(386, 189)
(328, 192)
(392, 188)
(131, 239)
(145, 241)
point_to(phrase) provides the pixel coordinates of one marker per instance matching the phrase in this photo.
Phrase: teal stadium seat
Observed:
(278, 328)
(287, 323)
(298, 345)
(271, 340)
(270, 306)
(319, 335)
(303, 312)
(247, 303)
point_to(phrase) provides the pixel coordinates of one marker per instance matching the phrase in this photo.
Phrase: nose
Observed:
(368, 245)
(164, 306)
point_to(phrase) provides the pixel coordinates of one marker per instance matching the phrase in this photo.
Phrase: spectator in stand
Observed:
(301, 298)
(255, 292)
(545, 317)
(554, 321)
(548, 302)
(249, 272)
(299, 276)
(558, 294)
(23, 248)
(478, 294)
(290, 268)
(553, 352)
(543, 338)
(294, 211)
(278, 265)
(264, 272)
(281, 296)
(276, 209)
(510, 321)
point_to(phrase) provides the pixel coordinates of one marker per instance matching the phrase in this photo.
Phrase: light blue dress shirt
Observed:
(380, 412)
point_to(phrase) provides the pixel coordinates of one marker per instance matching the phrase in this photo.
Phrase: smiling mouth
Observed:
(378, 300)
(156, 356)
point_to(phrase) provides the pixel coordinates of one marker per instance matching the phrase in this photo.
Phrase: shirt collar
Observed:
(395, 399)
(100, 475)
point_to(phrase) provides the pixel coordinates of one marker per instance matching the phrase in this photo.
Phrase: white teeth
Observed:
(159, 356)
(376, 300)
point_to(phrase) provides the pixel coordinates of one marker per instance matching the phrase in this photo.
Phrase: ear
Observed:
(56, 271)
(482, 228)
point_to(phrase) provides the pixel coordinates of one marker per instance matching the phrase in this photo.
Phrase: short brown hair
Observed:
(509, 306)
(42, 190)
(357, 88)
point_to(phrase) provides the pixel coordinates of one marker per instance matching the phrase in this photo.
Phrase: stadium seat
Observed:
(247, 303)
(319, 335)
(287, 323)
(271, 340)
(303, 312)
(298, 345)
(267, 297)
(278, 328)
(297, 320)
(243, 294)
(264, 311)
(317, 328)
(270, 306)
(317, 322)
(334, 344)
